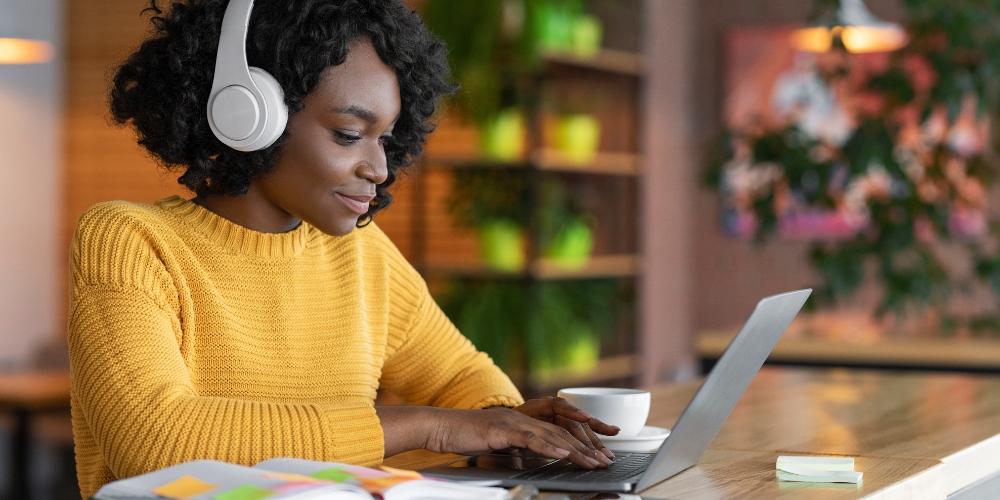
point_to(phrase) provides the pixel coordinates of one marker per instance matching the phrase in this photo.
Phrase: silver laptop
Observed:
(689, 439)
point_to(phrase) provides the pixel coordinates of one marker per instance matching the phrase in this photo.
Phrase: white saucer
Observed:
(647, 440)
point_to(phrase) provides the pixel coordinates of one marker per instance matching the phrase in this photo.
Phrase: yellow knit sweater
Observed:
(193, 337)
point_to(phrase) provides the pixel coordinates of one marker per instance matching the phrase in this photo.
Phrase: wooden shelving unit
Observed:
(549, 160)
(619, 164)
(608, 369)
(598, 266)
(610, 61)
(552, 160)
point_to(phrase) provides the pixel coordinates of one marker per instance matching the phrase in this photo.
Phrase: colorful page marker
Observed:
(402, 472)
(335, 474)
(183, 488)
(295, 478)
(245, 492)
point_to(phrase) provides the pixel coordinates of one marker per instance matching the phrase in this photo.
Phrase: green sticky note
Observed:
(245, 492)
(336, 475)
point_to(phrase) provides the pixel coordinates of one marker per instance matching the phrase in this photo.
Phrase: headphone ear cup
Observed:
(277, 111)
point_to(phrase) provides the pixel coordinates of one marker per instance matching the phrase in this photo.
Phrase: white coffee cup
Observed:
(625, 408)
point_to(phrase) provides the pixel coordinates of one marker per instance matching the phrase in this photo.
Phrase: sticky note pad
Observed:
(185, 487)
(245, 492)
(802, 474)
(818, 463)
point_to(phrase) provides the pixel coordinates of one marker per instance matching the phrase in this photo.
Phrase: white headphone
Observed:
(246, 109)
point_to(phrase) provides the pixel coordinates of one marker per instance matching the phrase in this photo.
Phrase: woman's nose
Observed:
(375, 167)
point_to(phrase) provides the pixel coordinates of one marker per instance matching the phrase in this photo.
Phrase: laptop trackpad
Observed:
(497, 465)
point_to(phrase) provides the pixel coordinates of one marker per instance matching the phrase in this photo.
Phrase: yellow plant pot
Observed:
(502, 246)
(579, 137)
(503, 137)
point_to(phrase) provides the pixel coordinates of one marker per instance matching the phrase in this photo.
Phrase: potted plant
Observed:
(909, 176)
(495, 202)
(538, 326)
(496, 49)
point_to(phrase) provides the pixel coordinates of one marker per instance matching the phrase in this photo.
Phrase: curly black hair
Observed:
(162, 89)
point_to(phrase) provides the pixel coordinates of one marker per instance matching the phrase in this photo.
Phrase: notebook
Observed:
(287, 479)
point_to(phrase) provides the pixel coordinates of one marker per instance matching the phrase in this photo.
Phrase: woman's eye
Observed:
(350, 139)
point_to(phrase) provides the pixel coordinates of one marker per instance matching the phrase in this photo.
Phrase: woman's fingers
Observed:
(577, 430)
(584, 434)
(596, 441)
(581, 447)
(551, 441)
(550, 407)
(603, 428)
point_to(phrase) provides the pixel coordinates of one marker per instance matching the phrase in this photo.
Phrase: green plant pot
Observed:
(502, 245)
(578, 354)
(579, 137)
(503, 137)
(587, 34)
(555, 29)
(583, 354)
(573, 246)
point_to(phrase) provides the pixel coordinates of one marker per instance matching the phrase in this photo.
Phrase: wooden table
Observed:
(22, 395)
(914, 435)
(982, 355)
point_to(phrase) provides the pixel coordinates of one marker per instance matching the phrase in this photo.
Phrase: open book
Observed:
(287, 479)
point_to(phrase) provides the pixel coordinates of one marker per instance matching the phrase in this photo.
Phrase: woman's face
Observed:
(326, 172)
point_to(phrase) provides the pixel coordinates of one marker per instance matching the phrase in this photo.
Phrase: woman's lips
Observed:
(358, 203)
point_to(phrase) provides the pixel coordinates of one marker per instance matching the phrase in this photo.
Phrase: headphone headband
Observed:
(231, 59)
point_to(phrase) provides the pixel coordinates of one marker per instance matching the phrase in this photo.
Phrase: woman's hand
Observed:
(580, 424)
(471, 432)
(479, 431)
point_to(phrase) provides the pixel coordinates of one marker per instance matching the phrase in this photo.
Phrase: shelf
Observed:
(613, 368)
(598, 266)
(939, 353)
(603, 163)
(610, 61)
(549, 160)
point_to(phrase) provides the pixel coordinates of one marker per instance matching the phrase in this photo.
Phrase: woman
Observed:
(258, 319)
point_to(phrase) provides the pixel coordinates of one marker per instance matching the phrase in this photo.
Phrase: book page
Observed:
(211, 480)
(391, 484)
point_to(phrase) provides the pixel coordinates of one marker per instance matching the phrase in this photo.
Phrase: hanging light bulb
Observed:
(856, 27)
(21, 51)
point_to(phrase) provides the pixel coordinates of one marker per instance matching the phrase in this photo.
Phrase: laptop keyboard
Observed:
(625, 465)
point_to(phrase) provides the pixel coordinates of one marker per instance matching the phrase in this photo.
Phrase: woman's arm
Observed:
(429, 363)
(144, 412)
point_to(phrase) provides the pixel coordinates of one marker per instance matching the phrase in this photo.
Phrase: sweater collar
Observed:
(234, 237)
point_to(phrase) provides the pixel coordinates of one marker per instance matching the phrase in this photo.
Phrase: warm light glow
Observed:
(856, 39)
(818, 39)
(19, 51)
(859, 39)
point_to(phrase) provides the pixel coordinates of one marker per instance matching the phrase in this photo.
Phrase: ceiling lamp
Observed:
(21, 51)
(856, 27)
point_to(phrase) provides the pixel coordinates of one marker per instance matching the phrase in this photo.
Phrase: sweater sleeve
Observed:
(131, 384)
(428, 362)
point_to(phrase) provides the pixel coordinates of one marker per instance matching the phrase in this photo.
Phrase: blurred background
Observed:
(614, 187)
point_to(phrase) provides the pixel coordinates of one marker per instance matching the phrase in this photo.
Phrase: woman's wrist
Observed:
(406, 428)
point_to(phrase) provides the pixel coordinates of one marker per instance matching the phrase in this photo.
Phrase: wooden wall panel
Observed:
(103, 162)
